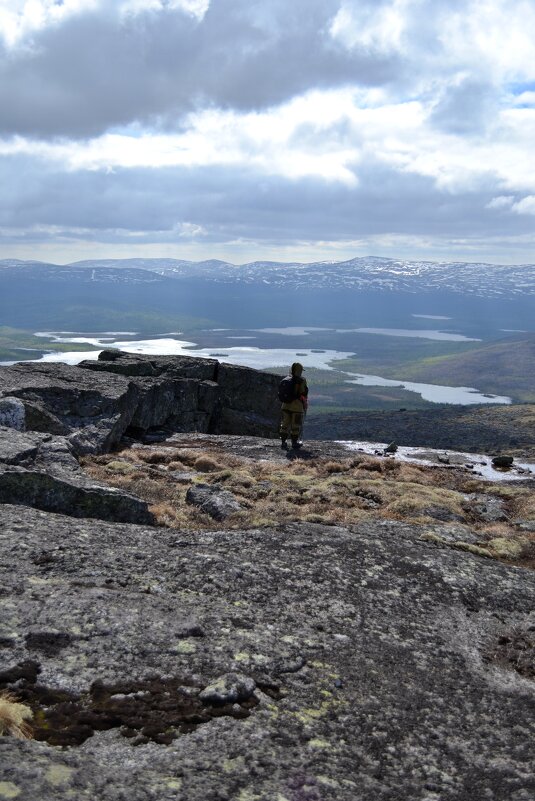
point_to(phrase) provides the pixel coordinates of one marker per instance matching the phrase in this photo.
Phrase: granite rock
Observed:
(96, 402)
(12, 413)
(213, 501)
(378, 658)
(40, 470)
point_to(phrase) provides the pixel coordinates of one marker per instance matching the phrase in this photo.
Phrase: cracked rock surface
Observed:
(41, 470)
(299, 663)
(96, 402)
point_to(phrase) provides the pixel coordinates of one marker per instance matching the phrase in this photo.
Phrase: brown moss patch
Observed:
(515, 650)
(155, 709)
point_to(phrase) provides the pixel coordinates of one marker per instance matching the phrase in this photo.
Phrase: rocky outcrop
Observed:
(96, 402)
(303, 662)
(40, 470)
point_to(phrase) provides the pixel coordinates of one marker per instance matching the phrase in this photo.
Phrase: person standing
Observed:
(293, 393)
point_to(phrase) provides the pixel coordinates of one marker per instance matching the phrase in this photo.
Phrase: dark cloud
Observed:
(233, 203)
(99, 70)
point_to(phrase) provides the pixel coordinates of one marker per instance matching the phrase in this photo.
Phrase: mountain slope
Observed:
(502, 367)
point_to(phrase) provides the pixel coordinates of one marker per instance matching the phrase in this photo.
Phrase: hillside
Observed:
(500, 367)
(204, 616)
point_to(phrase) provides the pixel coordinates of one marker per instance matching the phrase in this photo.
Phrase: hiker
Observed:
(293, 392)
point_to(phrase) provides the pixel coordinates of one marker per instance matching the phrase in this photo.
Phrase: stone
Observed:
(502, 461)
(214, 501)
(392, 448)
(16, 447)
(525, 525)
(228, 689)
(487, 508)
(77, 496)
(453, 533)
(441, 513)
(41, 470)
(93, 409)
(12, 413)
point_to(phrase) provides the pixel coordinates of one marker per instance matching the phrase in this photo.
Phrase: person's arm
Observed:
(303, 397)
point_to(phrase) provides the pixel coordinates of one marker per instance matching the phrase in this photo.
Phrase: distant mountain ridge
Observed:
(363, 273)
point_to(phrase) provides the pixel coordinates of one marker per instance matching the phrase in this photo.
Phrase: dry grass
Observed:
(328, 491)
(14, 717)
(205, 464)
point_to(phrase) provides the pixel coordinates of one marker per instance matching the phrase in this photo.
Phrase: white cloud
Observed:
(496, 37)
(19, 18)
(376, 122)
(376, 27)
(500, 202)
(525, 206)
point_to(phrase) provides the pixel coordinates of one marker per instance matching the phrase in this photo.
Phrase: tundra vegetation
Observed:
(453, 507)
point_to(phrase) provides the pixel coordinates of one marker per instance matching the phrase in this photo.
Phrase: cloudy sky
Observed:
(282, 129)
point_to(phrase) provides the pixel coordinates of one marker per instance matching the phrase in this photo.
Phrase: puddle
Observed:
(474, 463)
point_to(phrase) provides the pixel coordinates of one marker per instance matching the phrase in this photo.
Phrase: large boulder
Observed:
(214, 501)
(12, 413)
(248, 403)
(93, 409)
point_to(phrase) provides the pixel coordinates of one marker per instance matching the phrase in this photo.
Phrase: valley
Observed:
(375, 335)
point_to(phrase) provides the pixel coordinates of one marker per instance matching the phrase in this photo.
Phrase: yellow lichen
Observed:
(319, 743)
(506, 548)
(9, 790)
(58, 775)
(184, 647)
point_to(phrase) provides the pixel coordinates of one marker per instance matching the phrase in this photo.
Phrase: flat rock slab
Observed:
(16, 447)
(350, 664)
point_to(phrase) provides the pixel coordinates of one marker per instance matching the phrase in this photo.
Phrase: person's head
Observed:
(297, 369)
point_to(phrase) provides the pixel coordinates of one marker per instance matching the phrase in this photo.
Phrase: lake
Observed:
(263, 359)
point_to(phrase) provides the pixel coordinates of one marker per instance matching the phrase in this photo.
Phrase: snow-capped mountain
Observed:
(368, 273)
(483, 280)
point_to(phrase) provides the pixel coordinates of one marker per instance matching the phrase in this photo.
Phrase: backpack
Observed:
(287, 389)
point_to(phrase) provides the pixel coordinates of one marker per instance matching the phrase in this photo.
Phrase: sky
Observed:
(267, 129)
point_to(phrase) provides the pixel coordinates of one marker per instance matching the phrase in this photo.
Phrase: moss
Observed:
(207, 465)
(323, 491)
(123, 468)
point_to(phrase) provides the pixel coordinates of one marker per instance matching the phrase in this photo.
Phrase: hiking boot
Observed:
(284, 445)
(296, 444)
